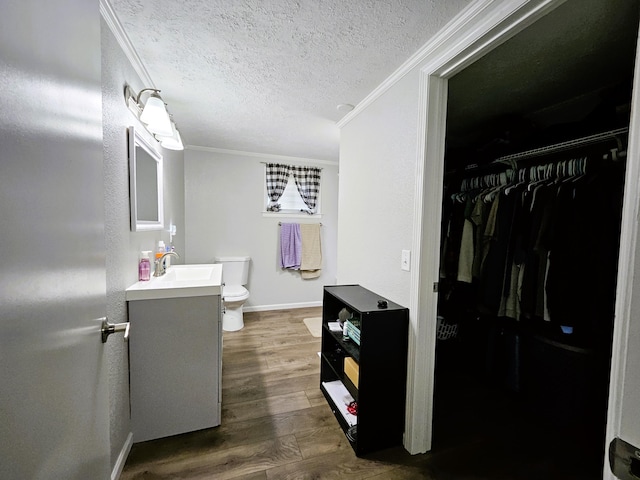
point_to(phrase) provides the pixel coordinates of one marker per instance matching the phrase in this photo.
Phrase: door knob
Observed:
(109, 328)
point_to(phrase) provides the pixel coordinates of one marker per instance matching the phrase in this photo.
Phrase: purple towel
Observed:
(290, 246)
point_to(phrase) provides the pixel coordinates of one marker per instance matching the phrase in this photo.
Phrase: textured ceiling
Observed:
(266, 77)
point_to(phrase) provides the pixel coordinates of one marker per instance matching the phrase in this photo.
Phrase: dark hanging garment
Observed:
(495, 264)
(453, 239)
(541, 206)
(542, 247)
(584, 252)
(510, 305)
(478, 217)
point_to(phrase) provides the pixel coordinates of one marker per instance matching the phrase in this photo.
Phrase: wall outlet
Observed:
(405, 262)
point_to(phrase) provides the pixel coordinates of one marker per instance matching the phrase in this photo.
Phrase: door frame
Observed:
(468, 40)
(483, 26)
(623, 364)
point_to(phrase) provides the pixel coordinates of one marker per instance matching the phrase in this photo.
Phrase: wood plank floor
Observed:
(277, 425)
(275, 422)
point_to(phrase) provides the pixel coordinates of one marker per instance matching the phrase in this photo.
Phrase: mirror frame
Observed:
(138, 141)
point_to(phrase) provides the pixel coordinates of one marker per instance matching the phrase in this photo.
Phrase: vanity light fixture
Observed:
(173, 142)
(154, 113)
(154, 116)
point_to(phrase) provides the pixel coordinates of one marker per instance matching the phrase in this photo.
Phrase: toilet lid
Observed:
(234, 291)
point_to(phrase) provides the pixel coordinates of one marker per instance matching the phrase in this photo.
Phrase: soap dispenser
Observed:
(144, 268)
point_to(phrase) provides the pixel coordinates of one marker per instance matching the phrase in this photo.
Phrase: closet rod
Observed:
(598, 137)
(280, 224)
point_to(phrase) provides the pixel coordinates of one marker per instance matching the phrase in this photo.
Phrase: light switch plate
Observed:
(405, 263)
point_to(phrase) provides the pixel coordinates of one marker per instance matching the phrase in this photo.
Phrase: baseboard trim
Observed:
(281, 306)
(122, 457)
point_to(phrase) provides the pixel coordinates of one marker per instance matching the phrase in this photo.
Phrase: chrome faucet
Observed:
(160, 268)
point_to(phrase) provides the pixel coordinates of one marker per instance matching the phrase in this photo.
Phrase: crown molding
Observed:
(438, 41)
(266, 156)
(110, 17)
(481, 18)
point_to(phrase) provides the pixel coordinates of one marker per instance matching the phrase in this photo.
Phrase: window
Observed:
(292, 189)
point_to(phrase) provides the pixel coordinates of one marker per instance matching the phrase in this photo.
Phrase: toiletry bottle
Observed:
(144, 268)
(160, 250)
(167, 259)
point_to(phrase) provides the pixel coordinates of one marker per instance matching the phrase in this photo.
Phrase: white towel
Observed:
(311, 262)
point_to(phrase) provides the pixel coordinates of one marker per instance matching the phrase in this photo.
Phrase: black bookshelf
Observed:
(381, 360)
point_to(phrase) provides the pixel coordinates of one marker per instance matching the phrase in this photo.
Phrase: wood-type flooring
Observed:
(277, 425)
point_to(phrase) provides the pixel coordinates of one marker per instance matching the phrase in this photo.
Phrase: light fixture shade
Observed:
(174, 142)
(156, 117)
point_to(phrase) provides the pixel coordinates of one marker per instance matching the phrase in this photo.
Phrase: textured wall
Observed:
(123, 246)
(377, 189)
(224, 207)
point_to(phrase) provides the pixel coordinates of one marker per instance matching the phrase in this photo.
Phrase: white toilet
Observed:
(235, 274)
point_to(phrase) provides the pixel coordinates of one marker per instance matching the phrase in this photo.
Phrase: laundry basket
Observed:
(444, 330)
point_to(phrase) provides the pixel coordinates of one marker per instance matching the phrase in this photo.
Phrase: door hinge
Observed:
(435, 287)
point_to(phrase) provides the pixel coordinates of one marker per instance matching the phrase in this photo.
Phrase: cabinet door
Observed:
(175, 366)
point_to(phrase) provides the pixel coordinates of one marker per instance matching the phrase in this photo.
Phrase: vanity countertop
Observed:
(194, 280)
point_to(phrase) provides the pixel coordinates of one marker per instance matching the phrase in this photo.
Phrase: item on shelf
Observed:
(344, 315)
(334, 326)
(342, 398)
(351, 370)
(352, 328)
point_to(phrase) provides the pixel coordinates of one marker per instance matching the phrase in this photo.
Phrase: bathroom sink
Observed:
(189, 273)
(194, 280)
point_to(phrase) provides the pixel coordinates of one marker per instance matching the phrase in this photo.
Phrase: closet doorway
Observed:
(534, 169)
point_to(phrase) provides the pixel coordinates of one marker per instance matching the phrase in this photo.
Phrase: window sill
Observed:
(290, 215)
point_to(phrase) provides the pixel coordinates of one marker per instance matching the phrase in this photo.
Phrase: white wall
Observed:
(224, 216)
(122, 245)
(378, 151)
(365, 137)
(377, 189)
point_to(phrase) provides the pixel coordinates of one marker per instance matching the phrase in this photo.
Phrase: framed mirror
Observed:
(145, 184)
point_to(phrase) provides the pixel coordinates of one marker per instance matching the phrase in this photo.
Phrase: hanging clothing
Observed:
(543, 251)
(584, 251)
(465, 260)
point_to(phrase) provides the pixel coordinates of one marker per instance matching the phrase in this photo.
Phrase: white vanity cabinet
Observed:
(175, 361)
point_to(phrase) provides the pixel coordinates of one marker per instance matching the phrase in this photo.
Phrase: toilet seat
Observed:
(234, 293)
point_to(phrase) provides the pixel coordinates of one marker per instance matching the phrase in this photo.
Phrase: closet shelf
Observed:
(558, 147)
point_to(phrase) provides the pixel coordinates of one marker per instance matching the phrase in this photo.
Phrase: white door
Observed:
(623, 420)
(53, 383)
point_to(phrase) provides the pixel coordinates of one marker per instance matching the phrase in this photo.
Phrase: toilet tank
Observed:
(235, 270)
